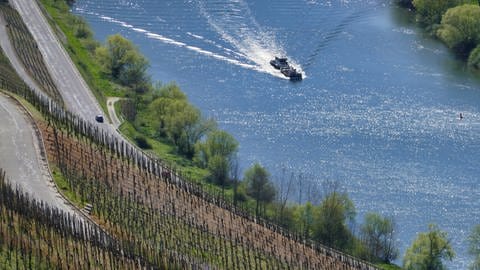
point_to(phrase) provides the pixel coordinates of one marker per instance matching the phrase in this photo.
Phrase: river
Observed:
(378, 109)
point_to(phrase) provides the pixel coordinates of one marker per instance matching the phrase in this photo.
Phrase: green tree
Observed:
(430, 12)
(331, 222)
(429, 250)
(219, 168)
(217, 153)
(305, 217)
(259, 187)
(122, 61)
(176, 119)
(474, 58)
(378, 235)
(460, 28)
(474, 247)
(218, 143)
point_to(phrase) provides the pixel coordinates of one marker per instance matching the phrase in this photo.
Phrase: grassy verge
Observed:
(385, 266)
(80, 55)
(64, 187)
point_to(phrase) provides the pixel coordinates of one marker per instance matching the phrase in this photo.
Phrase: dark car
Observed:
(99, 118)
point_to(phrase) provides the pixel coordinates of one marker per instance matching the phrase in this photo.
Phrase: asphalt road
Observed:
(75, 92)
(21, 156)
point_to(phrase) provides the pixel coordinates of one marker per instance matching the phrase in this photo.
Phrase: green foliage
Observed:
(331, 222)
(474, 58)
(142, 142)
(304, 217)
(218, 143)
(168, 114)
(217, 153)
(386, 266)
(81, 50)
(474, 247)
(460, 28)
(430, 12)
(429, 250)
(124, 63)
(218, 168)
(259, 187)
(378, 236)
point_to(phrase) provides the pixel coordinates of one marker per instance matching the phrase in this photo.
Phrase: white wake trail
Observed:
(234, 22)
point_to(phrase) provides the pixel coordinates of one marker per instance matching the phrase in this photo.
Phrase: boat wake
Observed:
(170, 41)
(234, 22)
(248, 51)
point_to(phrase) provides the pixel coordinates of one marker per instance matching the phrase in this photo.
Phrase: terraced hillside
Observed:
(138, 198)
(8, 76)
(34, 236)
(28, 52)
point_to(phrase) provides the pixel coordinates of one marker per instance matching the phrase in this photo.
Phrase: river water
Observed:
(378, 110)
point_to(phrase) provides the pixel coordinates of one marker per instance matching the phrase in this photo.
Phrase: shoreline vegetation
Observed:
(454, 22)
(160, 119)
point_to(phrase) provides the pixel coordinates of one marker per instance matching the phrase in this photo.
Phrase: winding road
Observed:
(20, 146)
(22, 158)
(77, 96)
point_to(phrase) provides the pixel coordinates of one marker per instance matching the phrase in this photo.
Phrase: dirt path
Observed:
(111, 111)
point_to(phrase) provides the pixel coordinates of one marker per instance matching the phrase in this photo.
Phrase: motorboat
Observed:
(286, 69)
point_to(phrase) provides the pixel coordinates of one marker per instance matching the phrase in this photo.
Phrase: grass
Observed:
(166, 152)
(63, 186)
(386, 266)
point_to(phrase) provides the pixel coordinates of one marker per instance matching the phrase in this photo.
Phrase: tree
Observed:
(219, 168)
(430, 12)
(474, 58)
(285, 187)
(331, 221)
(305, 219)
(234, 176)
(429, 250)
(217, 154)
(218, 143)
(474, 247)
(122, 61)
(257, 180)
(378, 235)
(460, 28)
(176, 119)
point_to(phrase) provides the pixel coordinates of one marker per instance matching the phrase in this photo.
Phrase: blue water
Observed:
(378, 110)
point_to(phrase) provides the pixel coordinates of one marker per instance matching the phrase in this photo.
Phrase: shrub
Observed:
(474, 59)
(460, 28)
(142, 142)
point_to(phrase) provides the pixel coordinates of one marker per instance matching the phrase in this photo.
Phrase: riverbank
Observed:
(455, 23)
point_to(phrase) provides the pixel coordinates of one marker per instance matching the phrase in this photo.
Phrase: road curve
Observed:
(22, 159)
(75, 92)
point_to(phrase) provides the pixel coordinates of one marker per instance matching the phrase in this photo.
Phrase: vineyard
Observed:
(34, 236)
(28, 52)
(157, 215)
(8, 76)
